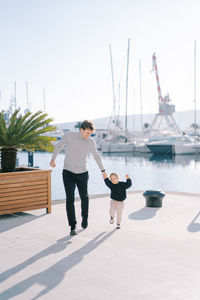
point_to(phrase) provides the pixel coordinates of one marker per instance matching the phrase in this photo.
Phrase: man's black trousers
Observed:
(71, 180)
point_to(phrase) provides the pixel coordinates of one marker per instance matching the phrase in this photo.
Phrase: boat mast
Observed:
(44, 99)
(127, 90)
(195, 120)
(117, 119)
(113, 85)
(141, 95)
(13, 102)
(27, 102)
(15, 94)
(133, 120)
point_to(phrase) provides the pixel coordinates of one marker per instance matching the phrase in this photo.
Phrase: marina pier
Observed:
(155, 254)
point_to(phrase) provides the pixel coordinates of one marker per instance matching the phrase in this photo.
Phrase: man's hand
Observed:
(127, 176)
(104, 175)
(52, 163)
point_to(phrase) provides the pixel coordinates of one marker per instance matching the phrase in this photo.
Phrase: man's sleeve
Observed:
(58, 146)
(96, 154)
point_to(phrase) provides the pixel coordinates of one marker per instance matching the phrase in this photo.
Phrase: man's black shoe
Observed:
(73, 230)
(84, 222)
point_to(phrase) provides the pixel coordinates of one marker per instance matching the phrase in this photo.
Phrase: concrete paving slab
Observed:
(155, 255)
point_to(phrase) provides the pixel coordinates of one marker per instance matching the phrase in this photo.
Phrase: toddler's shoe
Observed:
(118, 226)
(111, 220)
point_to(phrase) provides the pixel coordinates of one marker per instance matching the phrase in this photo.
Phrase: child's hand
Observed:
(104, 175)
(127, 176)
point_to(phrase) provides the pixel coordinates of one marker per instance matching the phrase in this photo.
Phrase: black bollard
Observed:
(153, 198)
(30, 159)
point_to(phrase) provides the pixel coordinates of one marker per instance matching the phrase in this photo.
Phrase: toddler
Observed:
(118, 195)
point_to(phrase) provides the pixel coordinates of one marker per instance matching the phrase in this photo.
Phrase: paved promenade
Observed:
(154, 256)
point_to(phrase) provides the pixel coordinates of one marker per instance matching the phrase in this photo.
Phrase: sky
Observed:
(62, 47)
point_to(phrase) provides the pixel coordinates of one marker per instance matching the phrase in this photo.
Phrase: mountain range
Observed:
(184, 120)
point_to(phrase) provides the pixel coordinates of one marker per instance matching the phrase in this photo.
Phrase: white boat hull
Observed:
(178, 146)
(184, 149)
(142, 148)
(117, 147)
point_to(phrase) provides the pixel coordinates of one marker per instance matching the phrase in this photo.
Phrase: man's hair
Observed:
(114, 174)
(86, 124)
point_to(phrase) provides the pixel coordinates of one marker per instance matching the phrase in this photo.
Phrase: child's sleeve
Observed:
(128, 183)
(107, 182)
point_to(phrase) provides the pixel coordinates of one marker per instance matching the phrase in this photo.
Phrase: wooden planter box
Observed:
(25, 189)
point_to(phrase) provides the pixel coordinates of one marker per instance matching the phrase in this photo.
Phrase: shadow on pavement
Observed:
(17, 219)
(52, 276)
(144, 213)
(60, 245)
(194, 226)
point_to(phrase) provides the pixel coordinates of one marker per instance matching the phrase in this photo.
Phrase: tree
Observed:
(23, 132)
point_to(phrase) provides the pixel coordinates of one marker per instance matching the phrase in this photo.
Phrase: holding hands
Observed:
(52, 163)
(104, 175)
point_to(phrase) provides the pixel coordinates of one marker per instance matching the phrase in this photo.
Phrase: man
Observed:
(77, 147)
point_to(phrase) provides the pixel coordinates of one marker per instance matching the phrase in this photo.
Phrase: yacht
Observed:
(174, 144)
(117, 146)
(141, 146)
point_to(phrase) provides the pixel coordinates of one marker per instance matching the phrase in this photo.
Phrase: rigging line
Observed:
(110, 119)
(123, 68)
(113, 84)
(120, 77)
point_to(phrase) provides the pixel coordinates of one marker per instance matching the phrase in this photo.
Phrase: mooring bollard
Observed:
(153, 198)
(30, 158)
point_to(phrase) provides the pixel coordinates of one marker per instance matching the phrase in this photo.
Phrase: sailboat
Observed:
(118, 141)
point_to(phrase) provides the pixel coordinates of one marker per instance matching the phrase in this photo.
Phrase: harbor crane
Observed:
(166, 109)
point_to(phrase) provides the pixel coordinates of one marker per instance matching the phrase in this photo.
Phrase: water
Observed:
(180, 173)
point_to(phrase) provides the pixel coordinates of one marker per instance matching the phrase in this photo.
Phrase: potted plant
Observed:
(24, 188)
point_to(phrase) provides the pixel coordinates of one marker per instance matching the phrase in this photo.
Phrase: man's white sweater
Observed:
(77, 150)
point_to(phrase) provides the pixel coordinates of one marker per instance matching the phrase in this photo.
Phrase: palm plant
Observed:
(23, 132)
